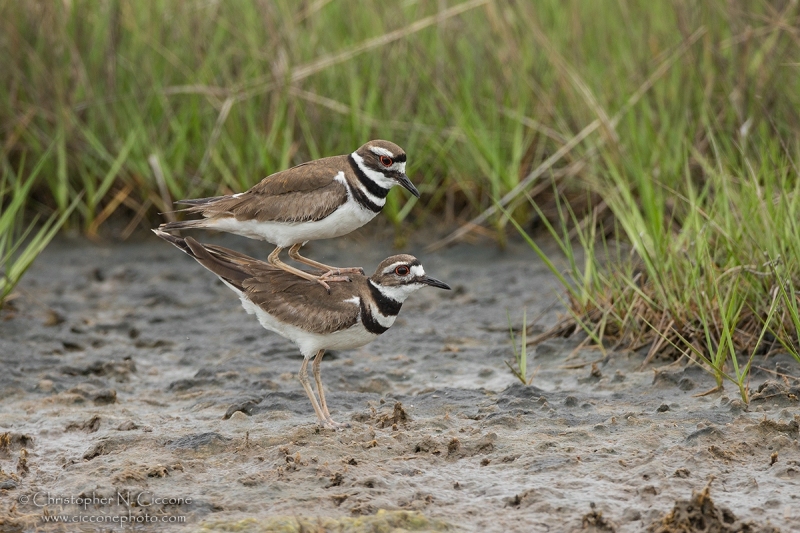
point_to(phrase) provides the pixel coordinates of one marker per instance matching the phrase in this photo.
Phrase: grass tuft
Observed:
(20, 243)
(520, 371)
(707, 270)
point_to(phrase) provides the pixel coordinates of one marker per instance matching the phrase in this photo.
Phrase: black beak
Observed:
(433, 282)
(406, 183)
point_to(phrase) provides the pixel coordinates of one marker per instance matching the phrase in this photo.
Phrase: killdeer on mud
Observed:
(321, 199)
(350, 315)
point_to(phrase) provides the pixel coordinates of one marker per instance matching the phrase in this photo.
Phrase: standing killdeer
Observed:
(348, 316)
(320, 199)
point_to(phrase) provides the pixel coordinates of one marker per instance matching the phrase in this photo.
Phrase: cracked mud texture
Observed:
(130, 369)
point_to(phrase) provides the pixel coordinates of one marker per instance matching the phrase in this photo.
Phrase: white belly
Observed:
(345, 219)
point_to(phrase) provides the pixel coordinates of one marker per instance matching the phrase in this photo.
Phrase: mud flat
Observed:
(133, 379)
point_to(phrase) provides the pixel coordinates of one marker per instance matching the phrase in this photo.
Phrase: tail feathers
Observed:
(213, 258)
(177, 242)
(199, 201)
(184, 224)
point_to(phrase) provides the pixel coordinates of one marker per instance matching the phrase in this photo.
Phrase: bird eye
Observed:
(401, 270)
(386, 161)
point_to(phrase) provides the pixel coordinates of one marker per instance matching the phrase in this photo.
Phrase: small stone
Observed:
(45, 385)
(682, 473)
(662, 408)
(239, 416)
(736, 406)
(631, 515)
(105, 397)
(648, 489)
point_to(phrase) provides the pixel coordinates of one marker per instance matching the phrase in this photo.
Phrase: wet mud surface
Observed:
(130, 370)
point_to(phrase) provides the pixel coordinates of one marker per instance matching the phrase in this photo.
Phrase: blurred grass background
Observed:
(219, 94)
(672, 126)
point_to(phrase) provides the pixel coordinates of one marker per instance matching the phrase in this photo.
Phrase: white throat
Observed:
(398, 293)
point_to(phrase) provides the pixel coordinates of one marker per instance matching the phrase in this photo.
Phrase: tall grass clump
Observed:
(690, 244)
(706, 270)
(21, 242)
(687, 222)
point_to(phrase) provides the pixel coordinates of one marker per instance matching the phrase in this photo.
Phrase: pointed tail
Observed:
(184, 224)
(228, 265)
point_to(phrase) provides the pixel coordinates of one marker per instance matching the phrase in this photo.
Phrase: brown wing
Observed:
(304, 193)
(294, 300)
(303, 303)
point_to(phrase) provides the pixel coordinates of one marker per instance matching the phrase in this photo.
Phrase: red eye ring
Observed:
(402, 270)
(386, 161)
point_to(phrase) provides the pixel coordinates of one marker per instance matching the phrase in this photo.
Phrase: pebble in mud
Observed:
(104, 397)
(89, 426)
(238, 416)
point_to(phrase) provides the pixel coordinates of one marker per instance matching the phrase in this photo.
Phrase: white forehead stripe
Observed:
(416, 270)
(399, 167)
(391, 267)
(377, 150)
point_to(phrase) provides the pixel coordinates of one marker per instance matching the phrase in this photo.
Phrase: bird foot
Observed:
(330, 424)
(331, 276)
(340, 273)
(347, 270)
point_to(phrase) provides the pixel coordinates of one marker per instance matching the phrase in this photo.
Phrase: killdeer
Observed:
(349, 316)
(320, 199)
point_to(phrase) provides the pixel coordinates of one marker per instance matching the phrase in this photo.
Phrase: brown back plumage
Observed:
(304, 193)
(303, 303)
